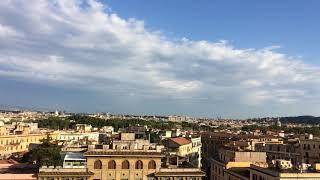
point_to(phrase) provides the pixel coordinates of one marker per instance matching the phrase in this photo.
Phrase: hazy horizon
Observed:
(207, 59)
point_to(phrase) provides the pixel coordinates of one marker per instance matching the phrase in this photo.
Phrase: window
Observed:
(97, 164)
(152, 164)
(254, 177)
(139, 164)
(112, 164)
(125, 164)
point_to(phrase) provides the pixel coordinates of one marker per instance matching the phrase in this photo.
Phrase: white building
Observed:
(92, 137)
(74, 160)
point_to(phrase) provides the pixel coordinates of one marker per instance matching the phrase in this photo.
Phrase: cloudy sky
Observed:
(206, 59)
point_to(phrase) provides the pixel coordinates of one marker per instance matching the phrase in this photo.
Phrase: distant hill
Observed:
(301, 120)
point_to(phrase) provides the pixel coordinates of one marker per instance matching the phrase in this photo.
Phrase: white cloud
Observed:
(7, 31)
(66, 42)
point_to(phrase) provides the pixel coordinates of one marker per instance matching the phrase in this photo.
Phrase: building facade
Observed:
(230, 163)
(12, 143)
(124, 164)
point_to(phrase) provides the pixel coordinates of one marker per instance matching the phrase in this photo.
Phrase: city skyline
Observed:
(237, 60)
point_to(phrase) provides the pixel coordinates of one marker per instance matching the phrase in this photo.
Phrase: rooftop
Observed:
(286, 172)
(170, 172)
(123, 153)
(74, 156)
(64, 171)
(181, 140)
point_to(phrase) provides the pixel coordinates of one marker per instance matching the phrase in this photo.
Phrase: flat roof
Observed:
(184, 174)
(65, 173)
(285, 172)
(74, 156)
(123, 153)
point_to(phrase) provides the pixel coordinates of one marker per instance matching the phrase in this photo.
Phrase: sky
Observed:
(233, 59)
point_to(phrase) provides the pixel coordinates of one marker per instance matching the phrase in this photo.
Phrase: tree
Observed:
(47, 153)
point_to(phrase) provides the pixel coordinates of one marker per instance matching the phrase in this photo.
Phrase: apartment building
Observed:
(16, 138)
(262, 173)
(309, 149)
(234, 165)
(288, 151)
(79, 137)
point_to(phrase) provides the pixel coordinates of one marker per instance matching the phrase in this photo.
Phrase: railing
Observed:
(61, 169)
(179, 169)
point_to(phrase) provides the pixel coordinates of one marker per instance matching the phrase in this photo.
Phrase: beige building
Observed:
(181, 150)
(20, 143)
(181, 145)
(129, 158)
(281, 151)
(179, 174)
(79, 137)
(64, 174)
(264, 140)
(128, 141)
(234, 164)
(260, 173)
(123, 164)
(196, 152)
(309, 149)
(83, 127)
(134, 159)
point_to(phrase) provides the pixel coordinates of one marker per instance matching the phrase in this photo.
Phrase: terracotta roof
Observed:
(9, 161)
(181, 140)
(122, 153)
(65, 173)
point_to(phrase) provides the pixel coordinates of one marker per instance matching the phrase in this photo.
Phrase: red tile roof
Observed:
(181, 140)
(9, 161)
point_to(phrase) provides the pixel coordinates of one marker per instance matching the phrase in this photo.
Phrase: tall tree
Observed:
(47, 153)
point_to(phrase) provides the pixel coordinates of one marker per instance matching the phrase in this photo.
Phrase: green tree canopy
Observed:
(47, 153)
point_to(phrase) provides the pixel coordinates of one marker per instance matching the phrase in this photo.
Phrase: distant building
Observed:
(107, 129)
(83, 127)
(278, 123)
(281, 151)
(309, 149)
(79, 137)
(56, 113)
(128, 141)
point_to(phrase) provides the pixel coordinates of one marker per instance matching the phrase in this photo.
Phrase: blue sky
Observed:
(211, 58)
(248, 24)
